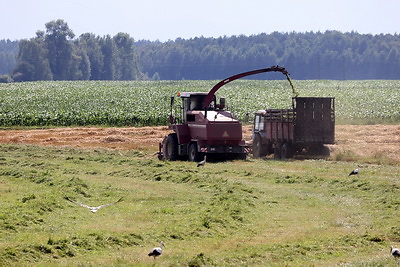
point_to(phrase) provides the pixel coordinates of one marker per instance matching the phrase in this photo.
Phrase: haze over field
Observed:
(168, 20)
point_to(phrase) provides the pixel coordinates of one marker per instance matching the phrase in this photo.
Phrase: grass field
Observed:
(242, 213)
(139, 103)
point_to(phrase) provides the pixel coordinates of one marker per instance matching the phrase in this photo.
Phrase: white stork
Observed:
(354, 172)
(395, 252)
(155, 252)
(93, 209)
(203, 162)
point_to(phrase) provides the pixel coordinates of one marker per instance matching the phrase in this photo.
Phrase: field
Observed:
(143, 103)
(256, 212)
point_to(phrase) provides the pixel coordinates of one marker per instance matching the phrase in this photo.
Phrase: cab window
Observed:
(258, 123)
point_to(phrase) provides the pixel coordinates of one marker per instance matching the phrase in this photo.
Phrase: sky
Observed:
(165, 20)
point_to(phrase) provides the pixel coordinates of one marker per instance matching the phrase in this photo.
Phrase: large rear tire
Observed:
(170, 147)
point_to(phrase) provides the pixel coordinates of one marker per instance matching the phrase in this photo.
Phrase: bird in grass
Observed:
(354, 172)
(94, 209)
(395, 252)
(203, 162)
(155, 252)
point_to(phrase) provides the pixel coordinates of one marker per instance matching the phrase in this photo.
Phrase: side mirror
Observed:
(171, 119)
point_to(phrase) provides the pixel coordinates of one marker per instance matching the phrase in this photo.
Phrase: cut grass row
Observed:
(253, 212)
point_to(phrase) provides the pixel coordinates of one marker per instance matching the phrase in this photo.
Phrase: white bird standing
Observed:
(203, 162)
(395, 252)
(93, 209)
(354, 172)
(155, 252)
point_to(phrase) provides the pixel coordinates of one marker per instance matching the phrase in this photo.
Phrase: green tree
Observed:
(90, 44)
(60, 51)
(24, 72)
(79, 68)
(8, 55)
(310, 55)
(84, 64)
(127, 67)
(32, 57)
(109, 50)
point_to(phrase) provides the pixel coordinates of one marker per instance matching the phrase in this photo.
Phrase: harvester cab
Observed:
(193, 101)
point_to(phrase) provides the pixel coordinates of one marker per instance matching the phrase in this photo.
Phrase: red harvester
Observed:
(205, 127)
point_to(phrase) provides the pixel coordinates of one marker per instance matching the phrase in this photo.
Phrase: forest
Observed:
(329, 55)
(56, 54)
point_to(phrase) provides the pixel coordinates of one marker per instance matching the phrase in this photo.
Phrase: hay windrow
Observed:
(366, 141)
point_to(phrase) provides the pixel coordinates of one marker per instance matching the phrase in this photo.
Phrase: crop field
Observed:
(141, 103)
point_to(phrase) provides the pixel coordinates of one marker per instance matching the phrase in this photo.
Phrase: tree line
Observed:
(8, 52)
(311, 55)
(55, 54)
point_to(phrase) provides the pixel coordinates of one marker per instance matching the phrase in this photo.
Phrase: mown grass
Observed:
(252, 213)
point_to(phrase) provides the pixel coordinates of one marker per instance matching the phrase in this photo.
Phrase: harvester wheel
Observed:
(170, 147)
(194, 155)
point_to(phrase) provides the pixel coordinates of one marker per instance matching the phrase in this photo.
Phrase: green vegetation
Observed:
(57, 54)
(246, 213)
(310, 55)
(137, 103)
(8, 54)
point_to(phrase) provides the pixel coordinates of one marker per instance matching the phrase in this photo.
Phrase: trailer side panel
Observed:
(314, 120)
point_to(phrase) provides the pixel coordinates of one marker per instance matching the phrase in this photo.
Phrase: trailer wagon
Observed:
(306, 128)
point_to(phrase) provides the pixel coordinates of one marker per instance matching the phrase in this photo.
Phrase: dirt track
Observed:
(363, 140)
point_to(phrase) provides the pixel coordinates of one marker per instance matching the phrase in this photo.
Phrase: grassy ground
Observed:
(253, 212)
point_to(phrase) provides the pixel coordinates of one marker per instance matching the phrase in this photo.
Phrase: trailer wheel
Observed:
(259, 150)
(269, 148)
(325, 151)
(286, 151)
(194, 155)
(278, 151)
(319, 150)
(170, 147)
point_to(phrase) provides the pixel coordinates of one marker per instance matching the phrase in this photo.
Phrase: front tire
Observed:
(194, 155)
(170, 147)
